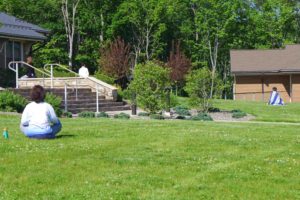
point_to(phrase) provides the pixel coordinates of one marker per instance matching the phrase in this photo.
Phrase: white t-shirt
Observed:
(84, 72)
(39, 115)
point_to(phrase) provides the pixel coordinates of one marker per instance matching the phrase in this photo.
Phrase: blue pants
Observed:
(39, 133)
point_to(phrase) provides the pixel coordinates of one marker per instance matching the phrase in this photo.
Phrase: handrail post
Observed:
(97, 99)
(66, 98)
(17, 75)
(76, 89)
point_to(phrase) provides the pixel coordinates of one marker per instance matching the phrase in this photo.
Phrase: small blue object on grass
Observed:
(5, 133)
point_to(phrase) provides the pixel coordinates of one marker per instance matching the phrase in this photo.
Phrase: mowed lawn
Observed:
(149, 159)
(262, 112)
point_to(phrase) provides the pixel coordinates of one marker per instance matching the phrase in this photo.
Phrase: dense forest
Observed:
(202, 32)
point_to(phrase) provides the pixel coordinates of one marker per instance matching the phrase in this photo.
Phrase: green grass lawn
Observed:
(262, 111)
(149, 159)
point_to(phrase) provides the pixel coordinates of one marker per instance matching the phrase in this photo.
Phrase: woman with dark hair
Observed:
(39, 120)
(30, 71)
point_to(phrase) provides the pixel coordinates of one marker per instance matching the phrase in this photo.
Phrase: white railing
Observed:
(91, 79)
(14, 66)
(93, 83)
(66, 95)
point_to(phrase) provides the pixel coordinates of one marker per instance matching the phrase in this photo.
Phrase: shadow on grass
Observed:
(64, 136)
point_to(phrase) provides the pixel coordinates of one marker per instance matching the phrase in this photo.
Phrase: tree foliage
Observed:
(115, 59)
(198, 87)
(179, 64)
(149, 85)
(207, 29)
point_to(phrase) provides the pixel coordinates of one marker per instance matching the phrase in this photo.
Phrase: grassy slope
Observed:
(262, 111)
(115, 159)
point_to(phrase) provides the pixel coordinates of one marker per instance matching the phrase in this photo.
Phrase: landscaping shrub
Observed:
(180, 117)
(239, 114)
(182, 110)
(122, 116)
(157, 116)
(202, 117)
(11, 102)
(149, 84)
(213, 109)
(102, 115)
(86, 114)
(55, 101)
(143, 114)
(174, 100)
(105, 78)
(198, 86)
(67, 114)
(236, 110)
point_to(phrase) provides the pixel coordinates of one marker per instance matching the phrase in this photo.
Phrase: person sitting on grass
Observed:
(39, 120)
(275, 99)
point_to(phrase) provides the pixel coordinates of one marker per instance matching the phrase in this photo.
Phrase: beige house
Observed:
(256, 72)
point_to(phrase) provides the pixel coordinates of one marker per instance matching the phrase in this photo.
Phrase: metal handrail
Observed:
(16, 70)
(66, 95)
(76, 74)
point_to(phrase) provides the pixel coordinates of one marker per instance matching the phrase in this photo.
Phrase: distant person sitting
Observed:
(83, 71)
(275, 99)
(39, 120)
(30, 71)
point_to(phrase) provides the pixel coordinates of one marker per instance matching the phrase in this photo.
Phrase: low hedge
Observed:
(202, 117)
(122, 116)
(11, 102)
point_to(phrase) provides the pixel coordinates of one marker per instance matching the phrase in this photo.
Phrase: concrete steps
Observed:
(85, 101)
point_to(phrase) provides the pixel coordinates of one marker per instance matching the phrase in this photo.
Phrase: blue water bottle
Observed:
(5, 133)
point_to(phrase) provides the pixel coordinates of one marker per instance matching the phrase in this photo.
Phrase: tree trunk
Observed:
(102, 29)
(70, 25)
(213, 59)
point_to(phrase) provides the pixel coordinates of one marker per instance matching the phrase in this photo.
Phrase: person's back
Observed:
(38, 118)
(39, 114)
(83, 72)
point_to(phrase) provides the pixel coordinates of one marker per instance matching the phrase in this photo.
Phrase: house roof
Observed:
(285, 60)
(13, 27)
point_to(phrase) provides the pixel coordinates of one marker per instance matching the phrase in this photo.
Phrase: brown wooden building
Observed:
(256, 72)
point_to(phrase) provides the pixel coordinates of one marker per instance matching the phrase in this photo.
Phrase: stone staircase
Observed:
(86, 100)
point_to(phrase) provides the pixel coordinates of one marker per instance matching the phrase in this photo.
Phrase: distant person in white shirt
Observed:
(84, 71)
(275, 99)
(39, 120)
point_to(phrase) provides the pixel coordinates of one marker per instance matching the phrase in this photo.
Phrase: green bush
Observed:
(105, 78)
(149, 84)
(143, 114)
(198, 86)
(122, 116)
(182, 110)
(202, 117)
(213, 109)
(236, 110)
(86, 114)
(102, 115)
(238, 114)
(55, 101)
(157, 116)
(174, 100)
(180, 117)
(11, 102)
(67, 114)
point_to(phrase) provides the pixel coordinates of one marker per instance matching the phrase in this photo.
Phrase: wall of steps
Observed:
(86, 100)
